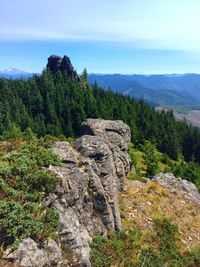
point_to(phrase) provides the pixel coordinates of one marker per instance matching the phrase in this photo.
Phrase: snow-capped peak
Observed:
(10, 69)
(13, 71)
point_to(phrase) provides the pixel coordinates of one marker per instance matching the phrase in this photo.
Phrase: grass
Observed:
(131, 248)
(141, 203)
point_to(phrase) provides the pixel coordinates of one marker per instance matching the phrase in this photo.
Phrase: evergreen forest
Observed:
(55, 104)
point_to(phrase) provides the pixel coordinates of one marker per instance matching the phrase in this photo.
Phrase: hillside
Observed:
(142, 203)
(191, 117)
(80, 204)
(160, 229)
(174, 90)
(58, 101)
(77, 192)
(160, 220)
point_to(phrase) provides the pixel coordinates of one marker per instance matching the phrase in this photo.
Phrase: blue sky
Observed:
(129, 36)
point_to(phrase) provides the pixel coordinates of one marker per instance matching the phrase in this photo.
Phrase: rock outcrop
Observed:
(91, 177)
(56, 63)
(117, 136)
(178, 186)
(29, 254)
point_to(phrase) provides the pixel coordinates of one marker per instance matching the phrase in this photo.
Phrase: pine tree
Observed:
(150, 157)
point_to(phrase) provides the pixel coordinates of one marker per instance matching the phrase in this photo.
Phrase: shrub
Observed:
(13, 132)
(19, 221)
(41, 180)
(24, 182)
(132, 155)
(116, 249)
(150, 156)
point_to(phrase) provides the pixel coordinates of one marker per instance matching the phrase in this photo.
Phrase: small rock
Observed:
(29, 254)
(178, 186)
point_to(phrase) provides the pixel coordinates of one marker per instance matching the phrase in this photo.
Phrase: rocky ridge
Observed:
(91, 177)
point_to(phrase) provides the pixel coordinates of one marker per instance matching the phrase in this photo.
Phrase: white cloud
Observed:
(155, 23)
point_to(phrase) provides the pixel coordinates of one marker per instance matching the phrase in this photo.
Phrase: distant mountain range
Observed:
(14, 73)
(180, 92)
(174, 90)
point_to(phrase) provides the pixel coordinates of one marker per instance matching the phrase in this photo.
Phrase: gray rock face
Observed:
(178, 186)
(29, 254)
(91, 177)
(86, 197)
(117, 136)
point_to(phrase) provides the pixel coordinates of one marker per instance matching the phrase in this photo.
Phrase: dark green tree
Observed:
(150, 157)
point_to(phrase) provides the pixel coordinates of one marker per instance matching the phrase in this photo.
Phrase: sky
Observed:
(105, 36)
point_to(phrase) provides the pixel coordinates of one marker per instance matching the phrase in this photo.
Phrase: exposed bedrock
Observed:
(91, 177)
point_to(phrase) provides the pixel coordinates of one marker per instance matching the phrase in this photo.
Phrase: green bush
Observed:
(41, 180)
(13, 132)
(134, 174)
(165, 159)
(116, 249)
(19, 221)
(132, 155)
(24, 182)
(151, 158)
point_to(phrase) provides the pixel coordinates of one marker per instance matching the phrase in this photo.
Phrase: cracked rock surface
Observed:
(91, 177)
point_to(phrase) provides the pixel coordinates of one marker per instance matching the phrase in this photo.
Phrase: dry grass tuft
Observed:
(142, 203)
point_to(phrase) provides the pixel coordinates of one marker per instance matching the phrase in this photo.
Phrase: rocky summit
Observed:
(91, 177)
(64, 65)
(93, 191)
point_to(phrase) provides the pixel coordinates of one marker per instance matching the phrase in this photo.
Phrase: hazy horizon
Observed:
(108, 73)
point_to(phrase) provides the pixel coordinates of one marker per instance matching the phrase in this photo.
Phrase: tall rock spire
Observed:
(57, 63)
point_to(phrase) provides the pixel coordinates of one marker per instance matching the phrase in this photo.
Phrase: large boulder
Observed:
(102, 162)
(108, 129)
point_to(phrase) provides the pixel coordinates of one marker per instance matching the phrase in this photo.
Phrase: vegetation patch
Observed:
(24, 183)
(148, 161)
(131, 248)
